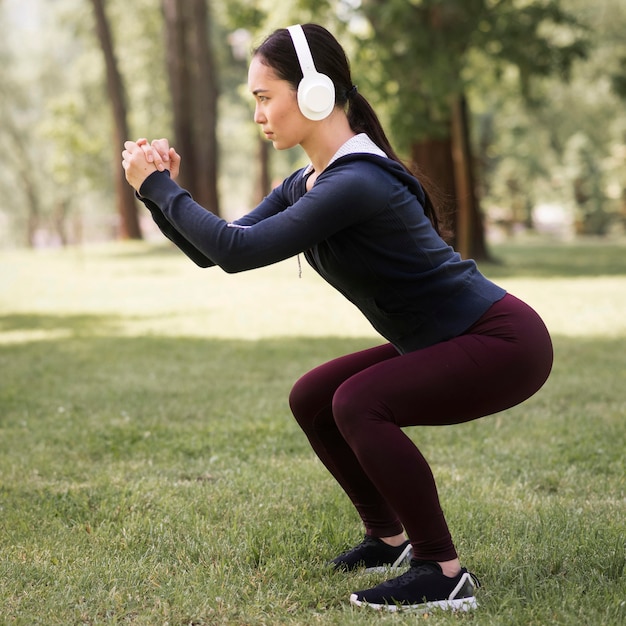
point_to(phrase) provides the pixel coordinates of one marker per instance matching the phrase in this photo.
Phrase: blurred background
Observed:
(513, 109)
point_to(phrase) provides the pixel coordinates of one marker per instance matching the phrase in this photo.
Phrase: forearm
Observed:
(198, 257)
(230, 246)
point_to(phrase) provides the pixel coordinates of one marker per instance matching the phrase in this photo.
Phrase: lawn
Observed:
(151, 473)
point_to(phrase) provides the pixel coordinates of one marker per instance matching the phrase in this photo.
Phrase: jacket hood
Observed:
(393, 167)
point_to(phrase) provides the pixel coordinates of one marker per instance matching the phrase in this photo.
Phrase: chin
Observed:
(282, 145)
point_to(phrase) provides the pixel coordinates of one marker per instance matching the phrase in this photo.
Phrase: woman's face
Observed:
(276, 110)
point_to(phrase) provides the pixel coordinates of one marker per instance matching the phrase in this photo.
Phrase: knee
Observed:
(305, 401)
(350, 408)
(297, 398)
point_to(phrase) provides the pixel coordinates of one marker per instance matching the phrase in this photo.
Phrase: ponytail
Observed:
(363, 119)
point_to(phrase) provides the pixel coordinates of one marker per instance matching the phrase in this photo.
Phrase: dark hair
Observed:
(278, 52)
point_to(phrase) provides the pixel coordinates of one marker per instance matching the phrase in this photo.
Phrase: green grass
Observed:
(150, 472)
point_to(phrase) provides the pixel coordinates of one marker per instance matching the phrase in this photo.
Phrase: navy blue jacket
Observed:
(361, 227)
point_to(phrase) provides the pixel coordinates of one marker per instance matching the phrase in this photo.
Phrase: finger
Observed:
(160, 149)
(174, 156)
(174, 163)
(155, 157)
(162, 146)
(148, 151)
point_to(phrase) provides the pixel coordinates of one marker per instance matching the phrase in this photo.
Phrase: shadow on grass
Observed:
(85, 401)
(77, 325)
(195, 376)
(125, 453)
(545, 260)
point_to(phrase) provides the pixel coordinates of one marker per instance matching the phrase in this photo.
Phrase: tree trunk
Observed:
(205, 111)
(447, 164)
(433, 158)
(470, 233)
(263, 183)
(178, 75)
(125, 197)
(193, 85)
(25, 178)
(33, 210)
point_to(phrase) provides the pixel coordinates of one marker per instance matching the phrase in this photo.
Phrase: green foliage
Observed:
(537, 38)
(423, 50)
(139, 44)
(619, 79)
(556, 151)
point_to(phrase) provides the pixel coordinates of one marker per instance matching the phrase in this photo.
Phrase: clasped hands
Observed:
(141, 158)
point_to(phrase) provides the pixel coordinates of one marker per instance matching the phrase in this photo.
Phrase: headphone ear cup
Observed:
(316, 96)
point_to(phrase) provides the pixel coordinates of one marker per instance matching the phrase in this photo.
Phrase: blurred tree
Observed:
(244, 19)
(420, 52)
(14, 140)
(125, 197)
(194, 90)
(18, 176)
(555, 151)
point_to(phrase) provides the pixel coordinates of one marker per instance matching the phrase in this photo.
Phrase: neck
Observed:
(326, 138)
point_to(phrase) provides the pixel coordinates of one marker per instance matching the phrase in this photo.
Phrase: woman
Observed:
(458, 346)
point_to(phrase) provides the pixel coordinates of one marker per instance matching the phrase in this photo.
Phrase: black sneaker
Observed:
(422, 587)
(374, 555)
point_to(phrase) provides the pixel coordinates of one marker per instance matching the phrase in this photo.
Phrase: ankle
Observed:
(394, 540)
(450, 568)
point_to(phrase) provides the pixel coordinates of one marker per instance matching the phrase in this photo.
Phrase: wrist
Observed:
(151, 181)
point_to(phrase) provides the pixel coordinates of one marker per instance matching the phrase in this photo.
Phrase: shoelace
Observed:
(418, 569)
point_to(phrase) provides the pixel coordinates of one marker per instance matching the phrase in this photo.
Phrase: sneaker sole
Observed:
(381, 569)
(461, 604)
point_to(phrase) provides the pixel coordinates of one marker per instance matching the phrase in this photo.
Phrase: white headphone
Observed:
(316, 92)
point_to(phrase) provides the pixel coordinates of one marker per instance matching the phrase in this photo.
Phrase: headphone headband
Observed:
(305, 58)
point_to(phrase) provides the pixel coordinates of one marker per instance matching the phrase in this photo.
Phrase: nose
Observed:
(259, 116)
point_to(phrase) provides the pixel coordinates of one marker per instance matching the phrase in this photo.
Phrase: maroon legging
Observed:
(353, 408)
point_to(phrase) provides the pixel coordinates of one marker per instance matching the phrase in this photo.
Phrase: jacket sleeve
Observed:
(283, 225)
(198, 257)
(270, 205)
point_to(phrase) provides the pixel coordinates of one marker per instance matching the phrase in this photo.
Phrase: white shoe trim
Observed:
(399, 562)
(405, 555)
(461, 604)
(466, 576)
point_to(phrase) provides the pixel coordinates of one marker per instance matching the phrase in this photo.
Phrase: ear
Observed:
(316, 92)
